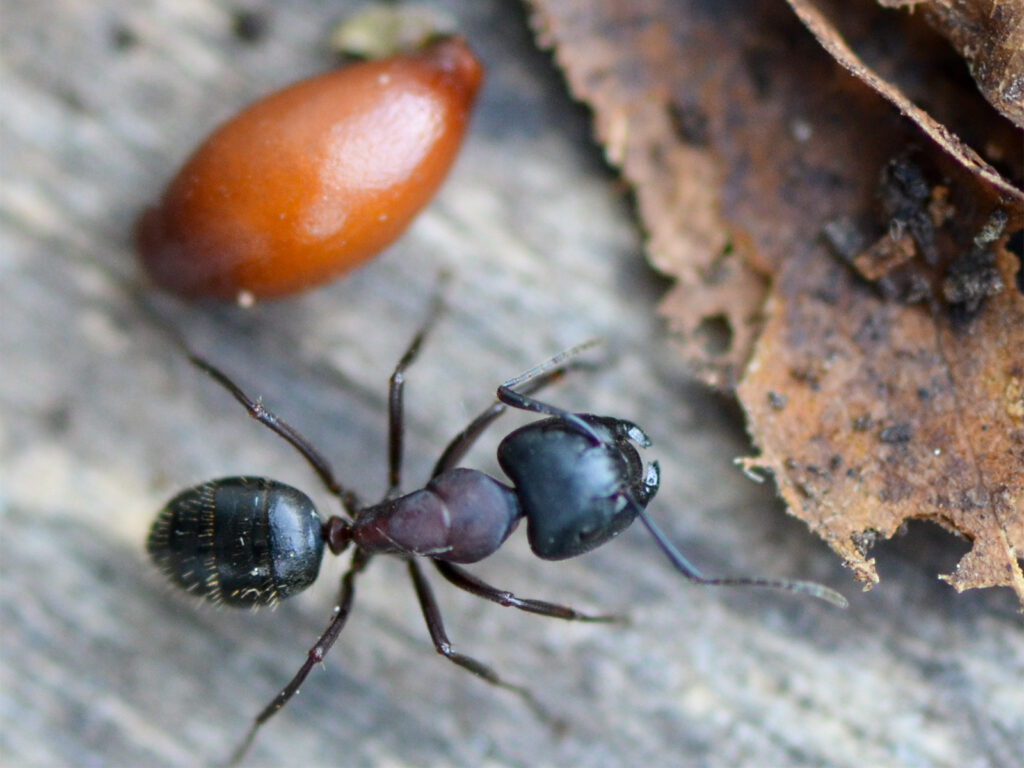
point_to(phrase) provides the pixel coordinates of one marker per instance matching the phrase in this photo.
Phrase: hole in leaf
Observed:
(716, 331)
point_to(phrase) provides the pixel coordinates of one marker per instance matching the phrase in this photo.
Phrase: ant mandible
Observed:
(577, 479)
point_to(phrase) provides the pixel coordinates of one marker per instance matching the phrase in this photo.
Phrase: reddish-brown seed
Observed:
(313, 180)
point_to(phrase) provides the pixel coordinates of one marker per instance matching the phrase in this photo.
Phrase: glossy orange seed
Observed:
(313, 180)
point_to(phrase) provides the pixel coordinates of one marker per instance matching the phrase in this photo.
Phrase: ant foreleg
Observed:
(465, 580)
(396, 423)
(463, 441)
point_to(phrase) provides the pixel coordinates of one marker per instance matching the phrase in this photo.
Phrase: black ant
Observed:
(576, 478)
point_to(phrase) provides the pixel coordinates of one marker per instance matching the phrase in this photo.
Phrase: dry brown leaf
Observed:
(833, 42)
(888, 413)
(884, 376)
(989, 34)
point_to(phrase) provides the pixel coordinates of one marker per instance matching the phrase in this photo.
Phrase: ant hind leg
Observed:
(435, 625)
(314, 656)
(465, 580)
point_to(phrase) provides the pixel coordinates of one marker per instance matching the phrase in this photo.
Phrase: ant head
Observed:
(581, 482)
(578, 487)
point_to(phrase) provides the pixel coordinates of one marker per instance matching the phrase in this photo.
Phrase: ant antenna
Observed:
(552, 362)
(810, 588)
(509, 395)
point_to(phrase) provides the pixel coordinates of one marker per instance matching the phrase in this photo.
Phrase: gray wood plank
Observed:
(102, 420)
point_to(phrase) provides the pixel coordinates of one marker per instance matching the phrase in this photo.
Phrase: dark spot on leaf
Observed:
(690, 123)
(898, 433)
(758, 63)
(863, 423)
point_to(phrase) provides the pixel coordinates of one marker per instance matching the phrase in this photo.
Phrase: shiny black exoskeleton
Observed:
(575, 492)
(576, 478)
(249, 541)
(241, 541)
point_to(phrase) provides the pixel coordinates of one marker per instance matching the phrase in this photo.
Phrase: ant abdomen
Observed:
(240, 541)
(461, 516)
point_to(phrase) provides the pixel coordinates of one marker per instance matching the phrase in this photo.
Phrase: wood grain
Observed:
(102, 420)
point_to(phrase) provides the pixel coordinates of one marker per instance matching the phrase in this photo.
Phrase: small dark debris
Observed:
(864, 541)
(973, 276)
(806, 376)
(58, 418)
(835, 462)
(844, 237)
(777, 401)
(760, 65)
(884, 256)
(904, 193)
(899, 433)
(123, 37)
(993, 229)
(249, 25)
(863, 423)
(906, 285)
(1015, 245)
(923, 393)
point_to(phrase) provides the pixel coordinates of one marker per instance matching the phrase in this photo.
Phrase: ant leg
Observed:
(282, 429)
(509, 395)
(435, 625)
(314, 656)
(465, 580)
(809, 588)
(396, 425)
(463, 441)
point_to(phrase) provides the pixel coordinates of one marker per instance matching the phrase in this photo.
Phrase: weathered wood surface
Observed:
(102, 420)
